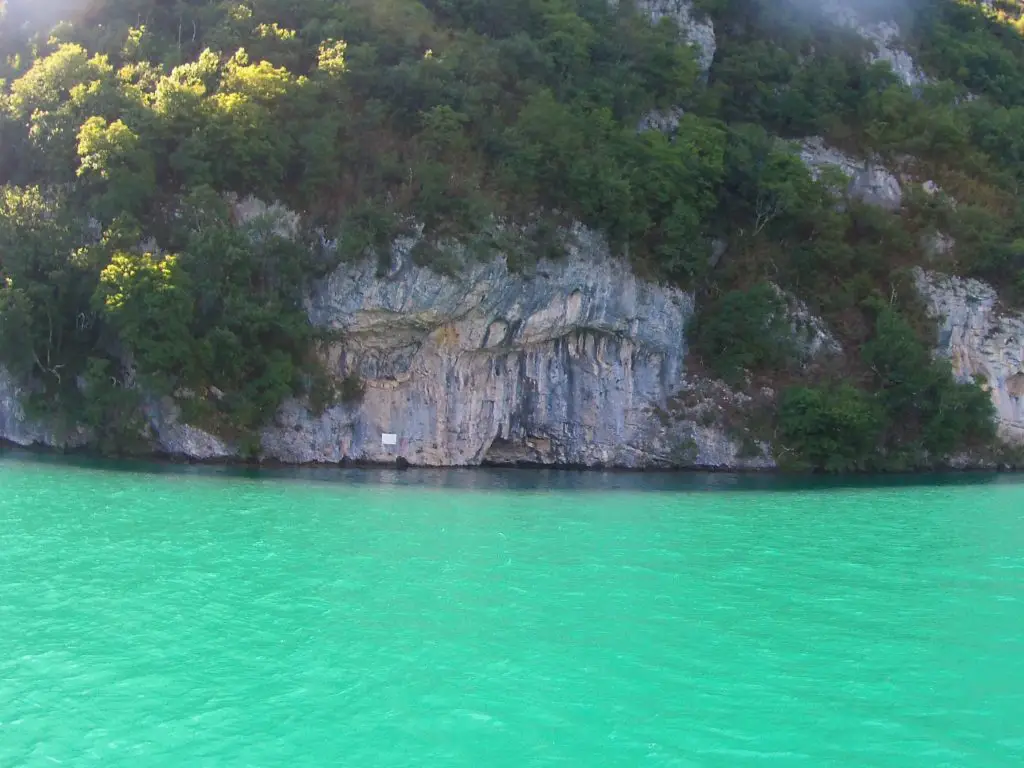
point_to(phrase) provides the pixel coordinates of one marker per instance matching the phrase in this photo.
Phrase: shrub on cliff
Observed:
(916, 415)
(744, 330)
(929, 415)
(829, 429)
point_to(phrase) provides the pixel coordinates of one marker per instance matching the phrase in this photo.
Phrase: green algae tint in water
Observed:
(204, 619)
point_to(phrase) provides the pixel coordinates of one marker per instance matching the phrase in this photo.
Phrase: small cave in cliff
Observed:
(528, 452)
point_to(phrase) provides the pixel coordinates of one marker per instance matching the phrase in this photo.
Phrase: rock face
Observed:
(698, 32)
(813, 338)
(167, 433)
(567, 366)
(18, 428)
(578, 363)
(173, 437)
(663, 120)
(868, 181)
(981, 341)
(883, 35)
(14, 426)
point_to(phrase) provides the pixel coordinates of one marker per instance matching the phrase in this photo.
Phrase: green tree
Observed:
(52, 99)
(929, 414)
(744, 330)
(110, 155)
(828, 429)
(47, 322)
(148, 302)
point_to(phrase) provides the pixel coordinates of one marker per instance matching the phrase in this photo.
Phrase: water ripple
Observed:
(204, 619)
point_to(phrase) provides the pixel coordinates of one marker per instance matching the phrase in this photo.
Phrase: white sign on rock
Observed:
(386, 438)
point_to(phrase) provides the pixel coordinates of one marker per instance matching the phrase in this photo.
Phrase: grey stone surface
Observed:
(578, 362)
(980, 340)
(275, 218)
(817, 155)
(937, 244)
(877, 186)
(868, 181)
(884, 37)
(664, 120)
(812, 335)
(16, 427)
(173, 437)
(168, 434)
(565, 366)
(697, 31)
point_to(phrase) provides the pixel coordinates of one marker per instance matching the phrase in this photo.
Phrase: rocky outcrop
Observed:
(172, 436)
(19, 428)
(868, 181)
(937, 245)
(569, 365)
(812, 337)
(663, 120)
(698, 32)
(577, 362)
(982, 342)
(14, 426)
(164, 429)
(884, 37)
(262, 218)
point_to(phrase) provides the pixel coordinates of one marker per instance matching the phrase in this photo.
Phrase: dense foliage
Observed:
(914, 413)
(744, 330)
(127, 130)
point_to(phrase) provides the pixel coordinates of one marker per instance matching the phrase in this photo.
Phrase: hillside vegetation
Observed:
(125, 127)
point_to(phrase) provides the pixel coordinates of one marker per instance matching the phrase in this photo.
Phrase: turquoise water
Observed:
(197, 618)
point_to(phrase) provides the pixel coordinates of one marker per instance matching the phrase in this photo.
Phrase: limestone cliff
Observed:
(20, 428)
(982, 341)
(578, 362)
(869, 181)
(15, 426)
(573, 364)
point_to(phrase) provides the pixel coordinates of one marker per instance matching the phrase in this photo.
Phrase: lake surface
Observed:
(174, 617)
